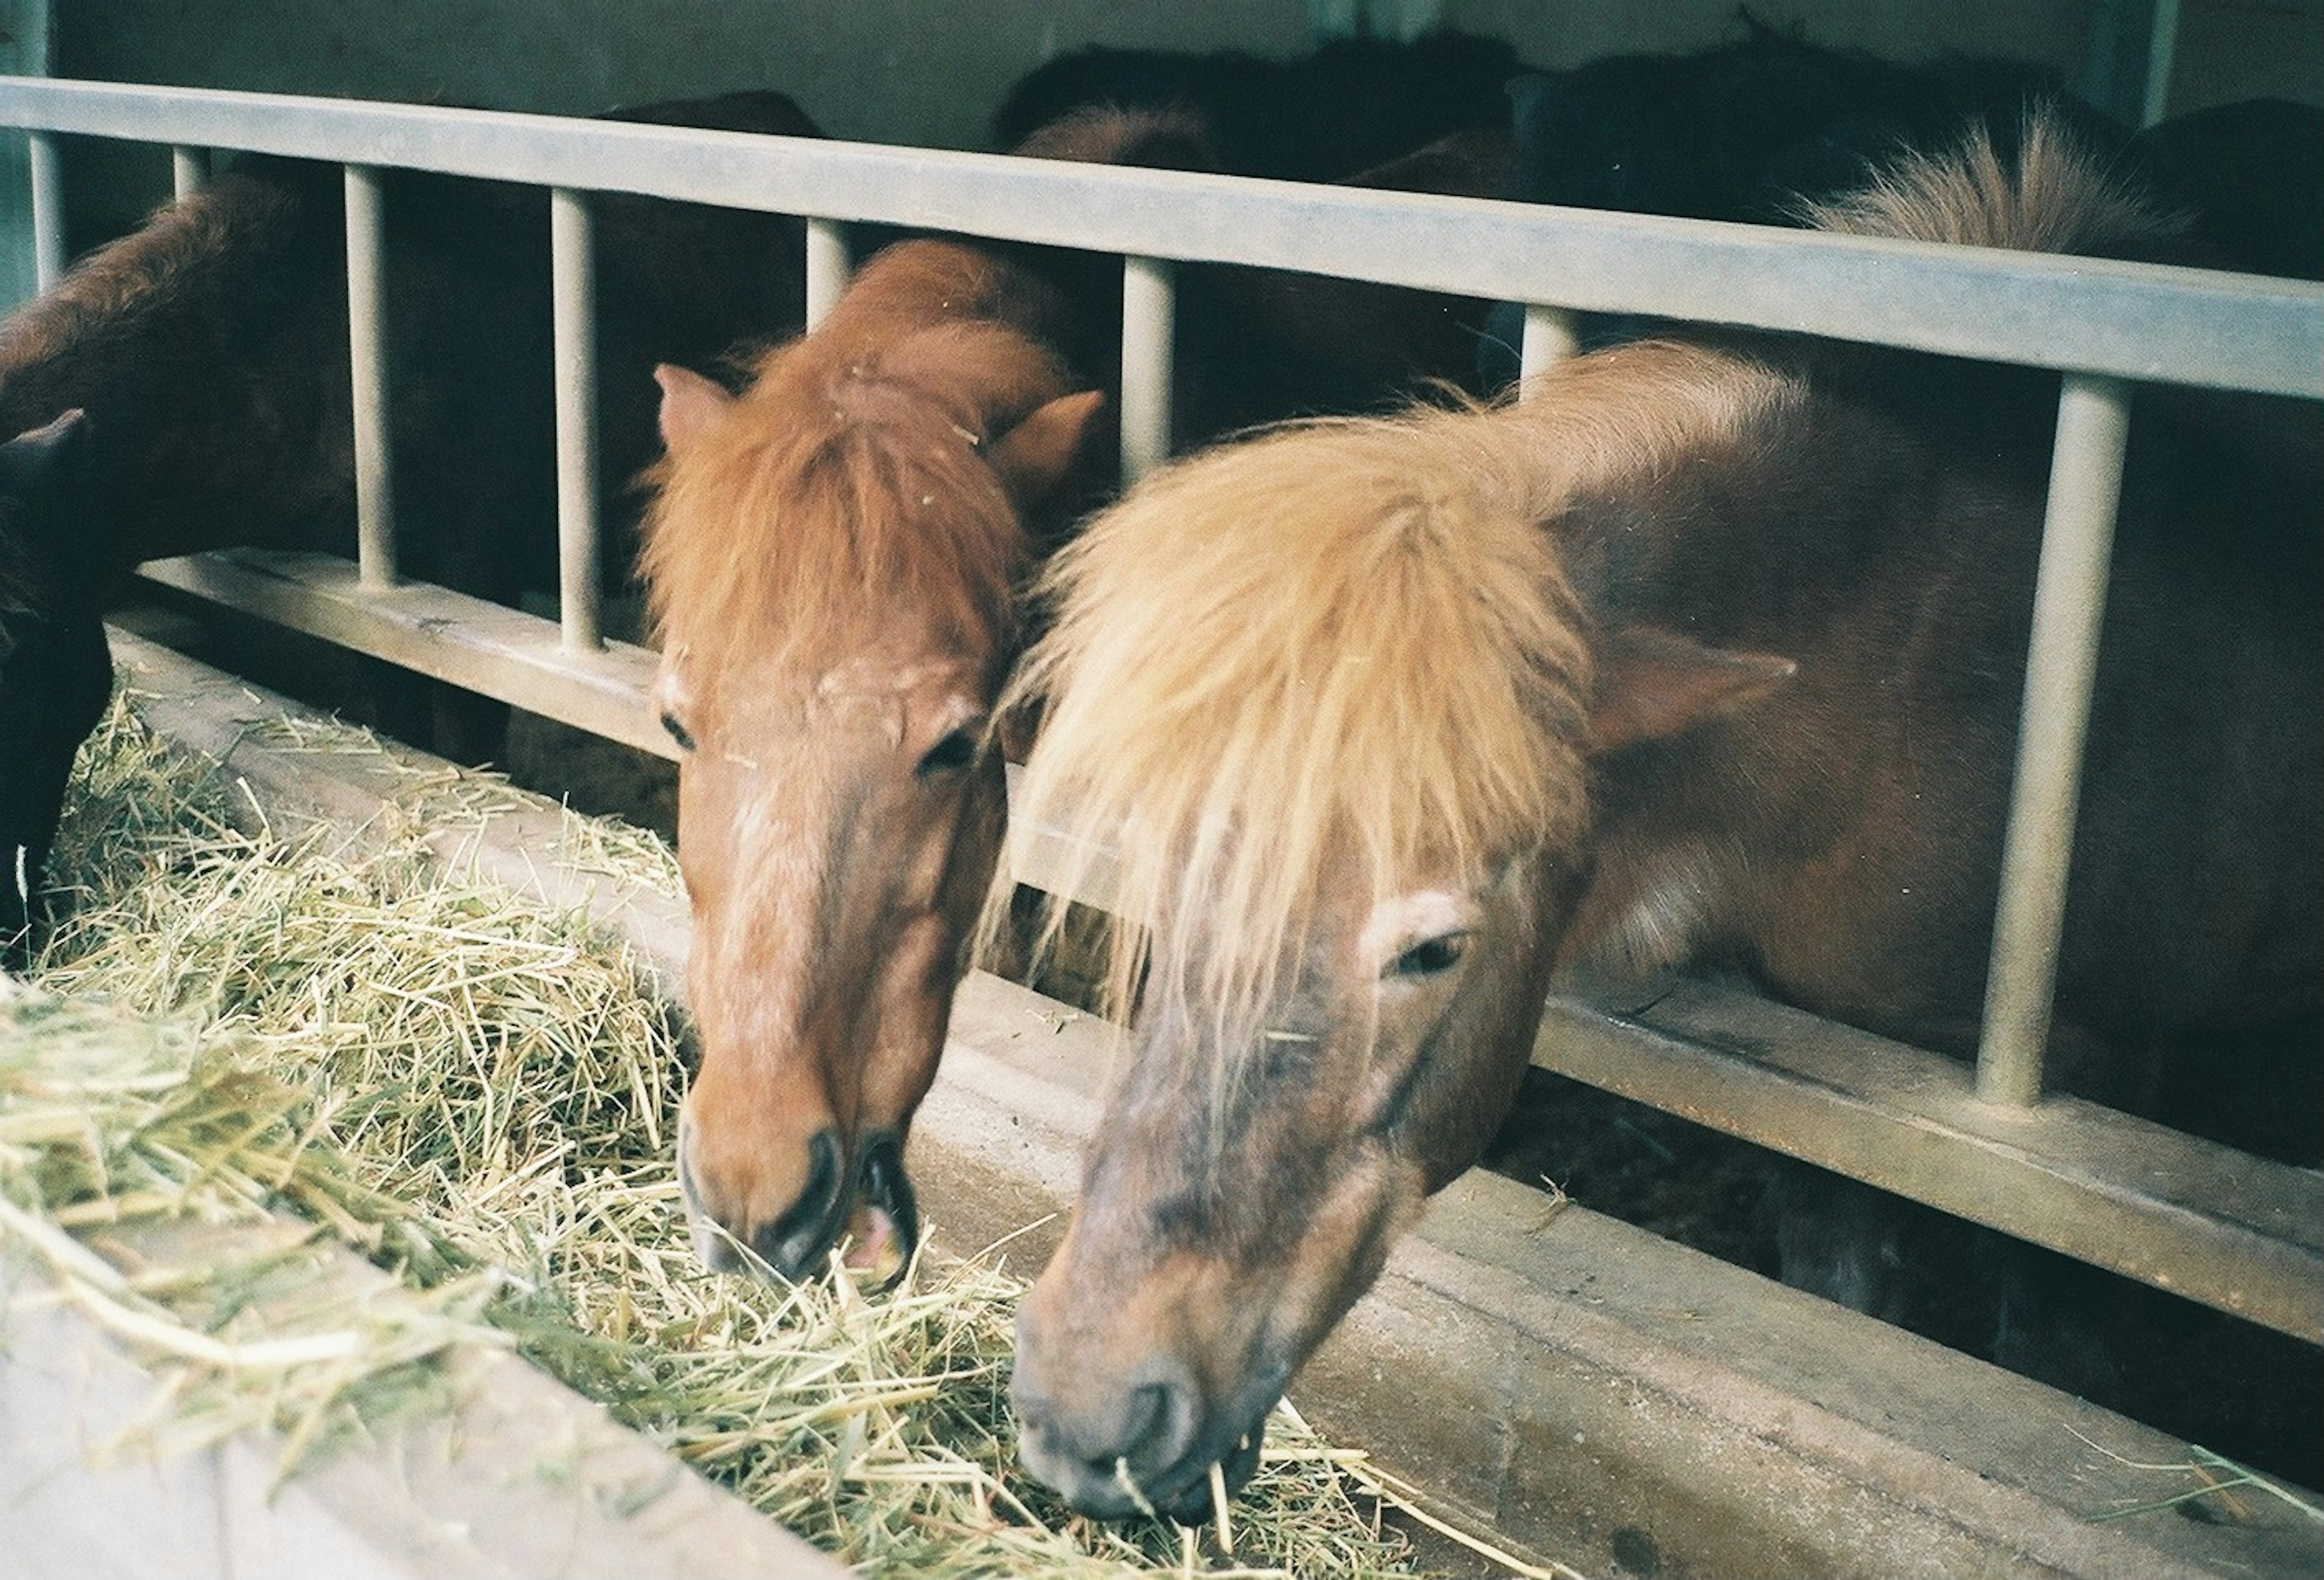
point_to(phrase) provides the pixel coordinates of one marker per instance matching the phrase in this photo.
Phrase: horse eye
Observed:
(1430, 957)
(956, 750)
(677, 732)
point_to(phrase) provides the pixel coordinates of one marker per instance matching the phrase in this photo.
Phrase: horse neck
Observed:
(160, 297)
(922, 284)
(1612, 431)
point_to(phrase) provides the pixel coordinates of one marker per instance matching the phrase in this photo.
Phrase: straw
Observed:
(479, 1093)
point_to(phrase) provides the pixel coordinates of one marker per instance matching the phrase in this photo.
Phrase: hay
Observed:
(479, 1093)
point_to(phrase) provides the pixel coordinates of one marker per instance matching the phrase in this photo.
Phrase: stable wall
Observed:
(930, 71)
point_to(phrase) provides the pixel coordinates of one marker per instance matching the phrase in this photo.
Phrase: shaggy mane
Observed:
(2056, 195)
(1349, 651)
(846, 483)
(1342, 642)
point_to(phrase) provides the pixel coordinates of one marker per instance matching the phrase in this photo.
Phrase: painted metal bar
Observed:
(367, 360)
(1149, 312)
(47, 211)
(1550, 336)
(2134, 321)
(2069, 604)
(468, 642)
(2162, 55)
(828, 265)
(189, 169)
(573, 297)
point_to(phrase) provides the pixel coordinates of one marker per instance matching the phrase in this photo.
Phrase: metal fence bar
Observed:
(367, 362)
(2162, 55)
(189, 168)
(572, 266)
(1149, 312)
(2069, 604)
(47, 211)
(828, 266)
(1551, 335)
(2084, 314)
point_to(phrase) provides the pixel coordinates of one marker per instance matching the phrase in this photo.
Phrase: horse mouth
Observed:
(1182, 1492)
(867, 1213)
(884, 1221)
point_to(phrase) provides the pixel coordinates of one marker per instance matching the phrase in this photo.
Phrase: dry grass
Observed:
(480, 1094)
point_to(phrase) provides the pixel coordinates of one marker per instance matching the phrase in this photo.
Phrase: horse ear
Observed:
(27, 460)
(1039, 454)
(690, 403)
(1656, 683)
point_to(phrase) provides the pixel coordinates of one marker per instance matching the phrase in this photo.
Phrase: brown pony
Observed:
(1709, 651)
(206, 358)
(833, 557)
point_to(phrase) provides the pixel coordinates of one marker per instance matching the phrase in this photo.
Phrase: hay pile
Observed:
(480, 1094)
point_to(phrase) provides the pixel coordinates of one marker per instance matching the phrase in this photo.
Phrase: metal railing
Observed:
(2238, 1233)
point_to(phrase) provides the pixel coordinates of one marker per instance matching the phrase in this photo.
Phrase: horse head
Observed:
(834, 556)
(1329, 699)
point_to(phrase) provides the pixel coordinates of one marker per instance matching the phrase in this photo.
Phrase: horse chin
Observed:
(1194, 1505)
(883, 1225)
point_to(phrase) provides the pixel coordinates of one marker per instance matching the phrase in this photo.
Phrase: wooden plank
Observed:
(1583, 1386)
(502, 653)
(2240, 1232)
(2207, 1222)
(517, 1475)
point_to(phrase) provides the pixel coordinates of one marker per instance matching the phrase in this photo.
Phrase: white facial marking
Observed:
(1397, 925)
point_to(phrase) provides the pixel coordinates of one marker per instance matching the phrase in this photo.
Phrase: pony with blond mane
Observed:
(1709, 651)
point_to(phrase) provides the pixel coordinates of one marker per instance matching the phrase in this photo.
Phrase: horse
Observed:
(833, 558)
(207, 352)
(1707, 653)
(1755, 131)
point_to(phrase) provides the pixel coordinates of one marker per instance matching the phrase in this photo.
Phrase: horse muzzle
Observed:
(865, 1202)
(1141, 1443)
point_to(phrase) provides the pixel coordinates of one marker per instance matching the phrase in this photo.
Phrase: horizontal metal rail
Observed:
(2132, 321)
(516, 658)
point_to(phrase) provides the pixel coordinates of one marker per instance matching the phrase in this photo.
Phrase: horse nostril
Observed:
(791, 1244)
(1170, 1420)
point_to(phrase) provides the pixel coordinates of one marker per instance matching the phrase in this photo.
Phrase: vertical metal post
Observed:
(189, 168)
(1550, 337)
(2162, 55)
(1148, 320)
(2069, 604)
(367, 360)
(47, 211)
(573, 291)
(827, 267)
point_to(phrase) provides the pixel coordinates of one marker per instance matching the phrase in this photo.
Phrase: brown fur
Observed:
(1706, 651)
(832, 557)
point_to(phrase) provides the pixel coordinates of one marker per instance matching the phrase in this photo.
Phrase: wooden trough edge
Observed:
(521, 1476)
(1580, 1386)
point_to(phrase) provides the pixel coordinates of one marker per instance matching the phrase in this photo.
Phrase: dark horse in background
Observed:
(205, 357)
(1710, 652)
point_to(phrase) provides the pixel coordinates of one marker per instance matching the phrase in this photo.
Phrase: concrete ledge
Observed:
(1590, 1390)
(521, 1476)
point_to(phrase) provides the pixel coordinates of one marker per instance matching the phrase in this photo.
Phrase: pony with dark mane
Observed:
(206, 354)
(1709, 652)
